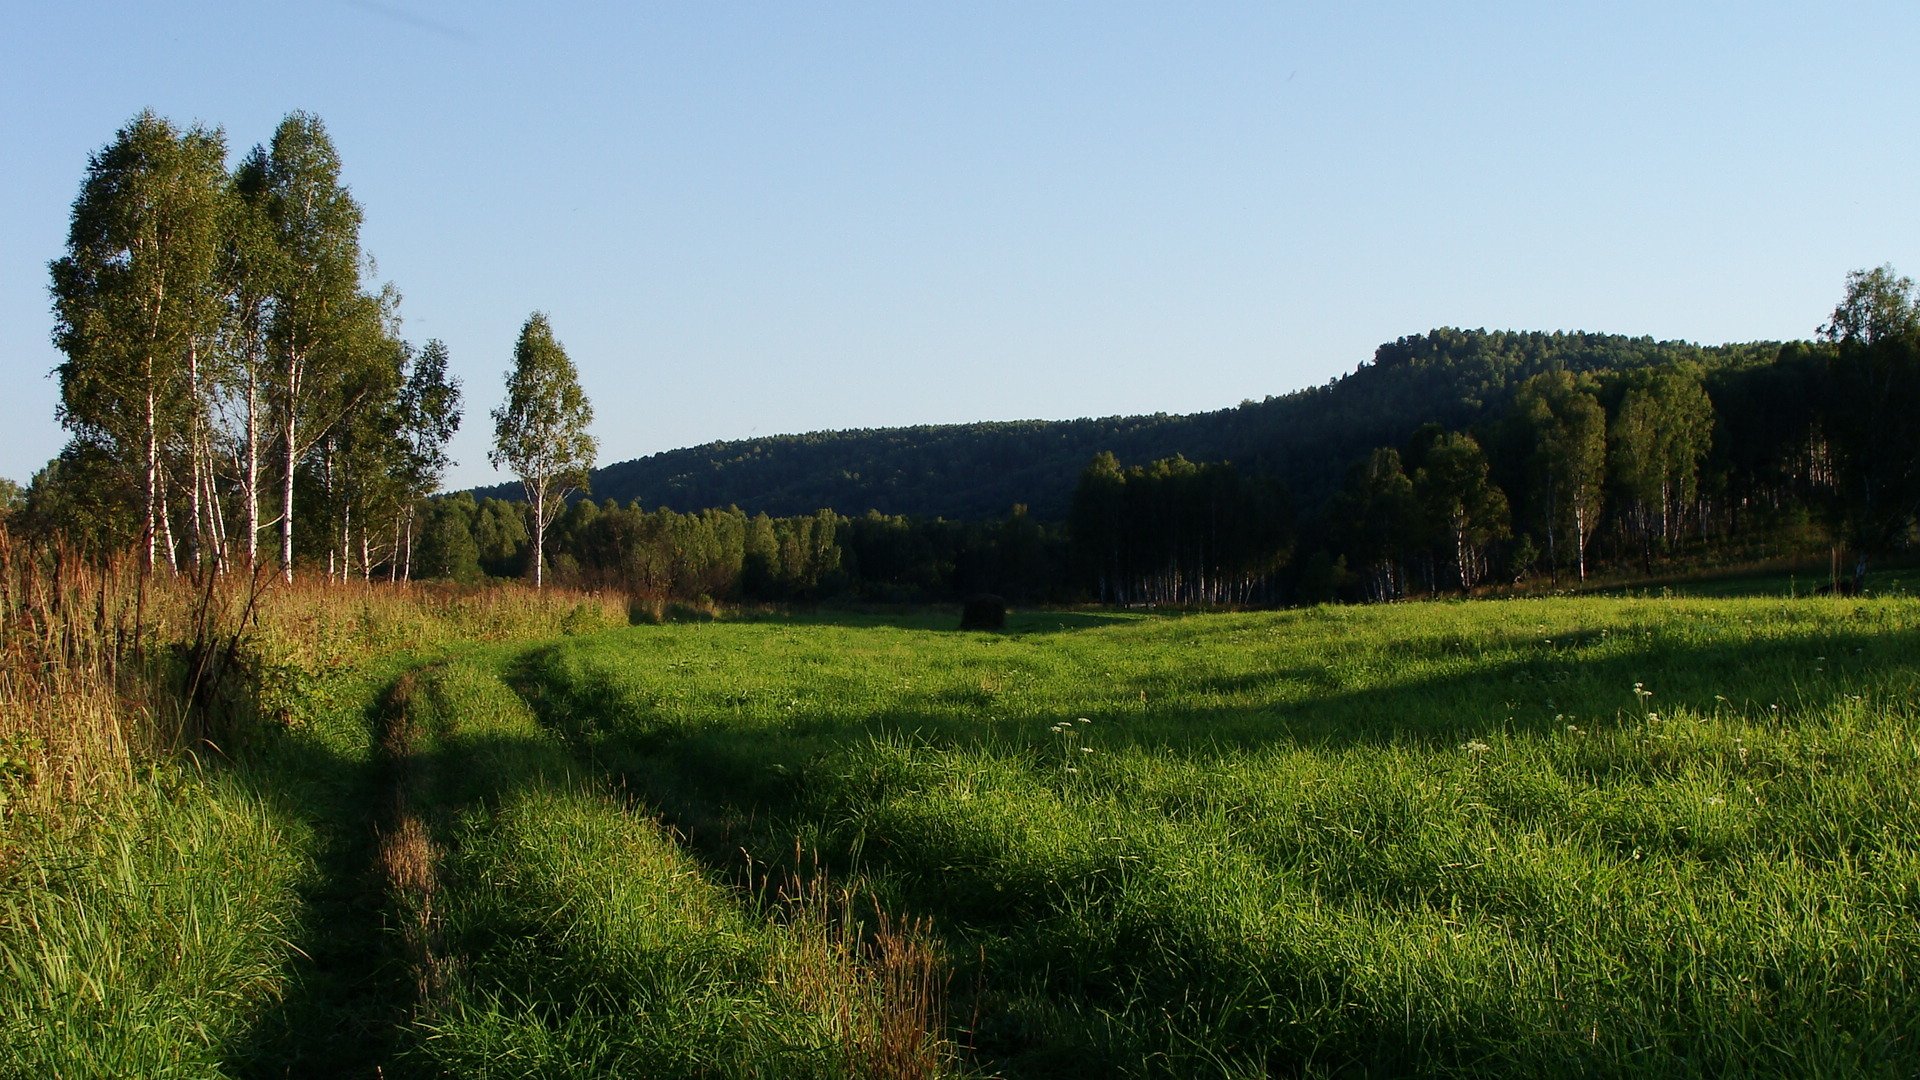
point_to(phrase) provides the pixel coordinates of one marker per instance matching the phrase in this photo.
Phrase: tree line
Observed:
(974, 472)
(727, 555)
(1727, 454)
(1775, 451)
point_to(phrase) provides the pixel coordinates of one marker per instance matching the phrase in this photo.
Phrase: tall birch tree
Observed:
(318, 311)
(540, 432)
(133, 302)
(1567, 458)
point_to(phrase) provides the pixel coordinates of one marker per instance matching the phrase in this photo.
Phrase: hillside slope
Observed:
(978, 471)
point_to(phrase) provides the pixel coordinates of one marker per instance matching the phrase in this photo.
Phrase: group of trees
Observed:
(1765, 452)
(232, 380)
(1174, 532)
(973, 472)
(229, 372)
(728, 555)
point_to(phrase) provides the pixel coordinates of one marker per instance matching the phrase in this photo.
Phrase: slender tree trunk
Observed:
(539, 534)
(166, 527)
(289, 459)
(196, 536)
(406, 570)
(1553, 549)
(253, 469)
(153, 473)
(1580, 538)
(217, 517)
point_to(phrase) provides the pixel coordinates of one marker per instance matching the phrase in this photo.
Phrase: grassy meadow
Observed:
(1616, 836)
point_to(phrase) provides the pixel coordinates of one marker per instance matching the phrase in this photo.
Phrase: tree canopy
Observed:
(541, 431)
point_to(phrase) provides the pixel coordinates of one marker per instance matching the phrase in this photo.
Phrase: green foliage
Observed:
(1380, 519)
(1566, 437)
(500, 535)
(1459, 504)
(1174, 532)
(540, 432)
(135, 299)
(446, 547)
(1659, 438)
(1307, 438)
(1868, 411)
(82, 497)
(222, 357)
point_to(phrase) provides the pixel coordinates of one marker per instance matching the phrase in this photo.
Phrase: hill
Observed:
(1453, 377)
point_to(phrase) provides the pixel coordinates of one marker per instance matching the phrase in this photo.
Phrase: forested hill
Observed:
(977, 471)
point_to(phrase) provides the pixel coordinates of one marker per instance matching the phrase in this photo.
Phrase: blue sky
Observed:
(756, 218)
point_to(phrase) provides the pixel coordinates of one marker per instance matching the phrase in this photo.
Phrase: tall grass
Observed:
(76, 709)
(143, 937)
(161, 834)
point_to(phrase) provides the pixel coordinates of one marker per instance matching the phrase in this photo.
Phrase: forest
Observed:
(1513, 458)
(234, 381)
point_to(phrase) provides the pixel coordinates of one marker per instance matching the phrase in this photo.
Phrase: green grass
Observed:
(1430, 838)
(142, 937)
(213, 915)
(581, 939)
(1610, 836)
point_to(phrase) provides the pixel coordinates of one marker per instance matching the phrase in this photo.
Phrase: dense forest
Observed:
(1454, 461)
(233, 384)
(975, 472)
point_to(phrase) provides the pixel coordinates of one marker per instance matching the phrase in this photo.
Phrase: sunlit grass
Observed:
(1606, 836)
(1635, 836)
(143, 936)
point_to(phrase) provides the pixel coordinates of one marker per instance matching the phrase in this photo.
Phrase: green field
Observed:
(1594, 836)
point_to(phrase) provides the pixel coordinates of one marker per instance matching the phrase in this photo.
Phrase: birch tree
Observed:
(1567, 430)
(429, 415)
(540, 432)
(133, 303)
(315, 303)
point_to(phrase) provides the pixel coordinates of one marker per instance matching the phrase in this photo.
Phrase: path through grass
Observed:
(1617, 837)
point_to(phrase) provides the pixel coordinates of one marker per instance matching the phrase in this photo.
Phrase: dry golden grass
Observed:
(881, 985)
(75, 710)
(103, 667)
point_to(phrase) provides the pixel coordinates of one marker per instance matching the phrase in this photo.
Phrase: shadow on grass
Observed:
(728, 787)
(351, 991)
(1516, 682)
(346, 992)
(725, 786)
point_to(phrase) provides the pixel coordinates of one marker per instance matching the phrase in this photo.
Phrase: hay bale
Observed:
(984, 612)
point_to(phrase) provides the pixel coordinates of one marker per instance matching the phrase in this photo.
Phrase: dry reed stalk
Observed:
(76, 701)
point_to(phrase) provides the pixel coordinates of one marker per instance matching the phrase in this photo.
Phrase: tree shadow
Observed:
(724, 788)
(351, 992)
(345, 993)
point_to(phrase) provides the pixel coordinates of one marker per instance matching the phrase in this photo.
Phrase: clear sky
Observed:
(756, 218)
